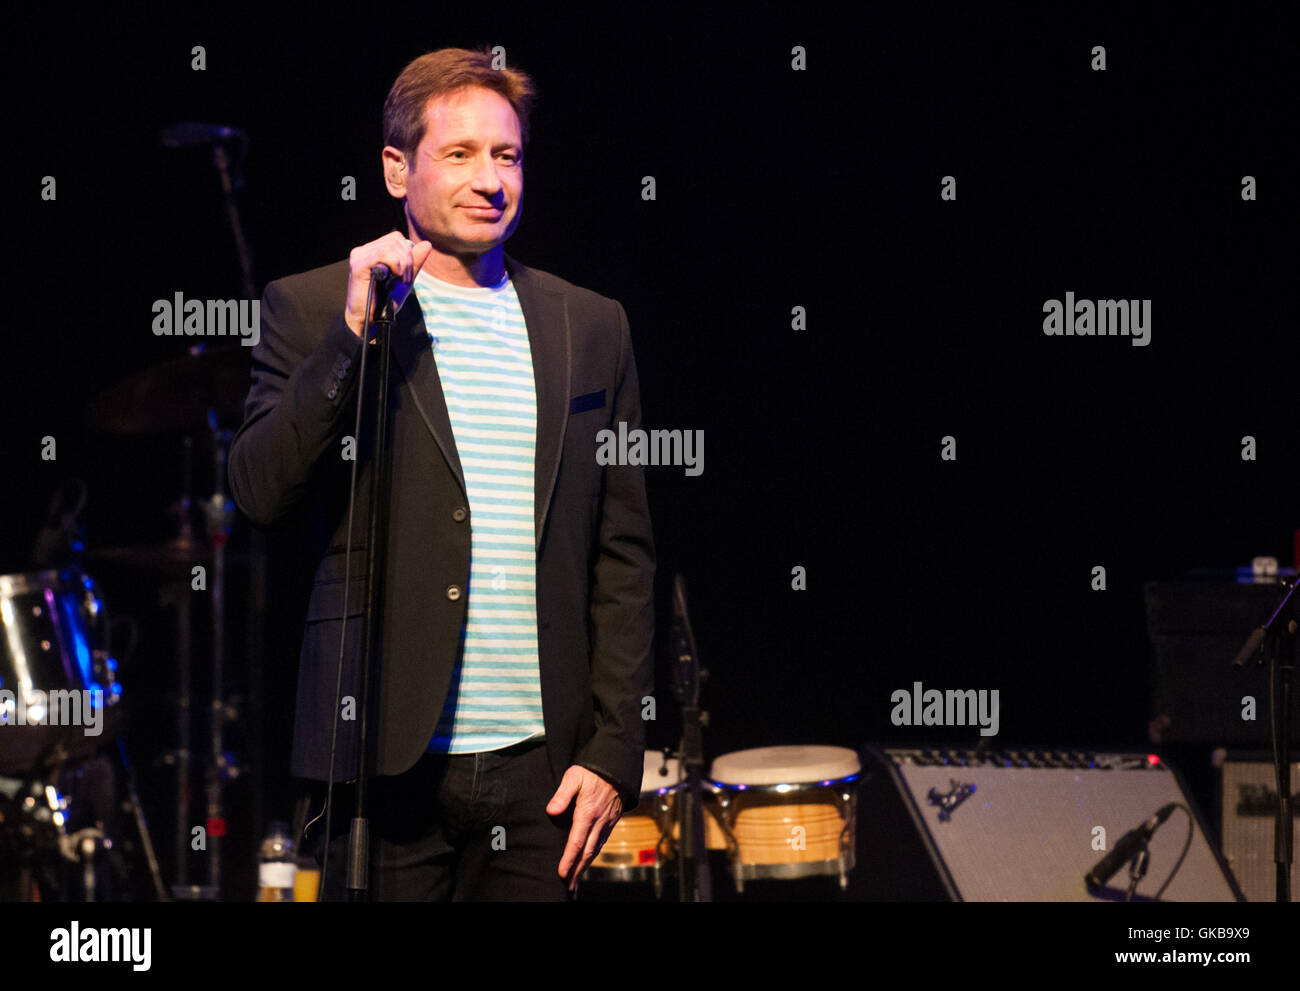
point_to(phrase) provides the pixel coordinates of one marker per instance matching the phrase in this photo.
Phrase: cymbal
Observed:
(174, 396)
(172, 557)
(30, 747)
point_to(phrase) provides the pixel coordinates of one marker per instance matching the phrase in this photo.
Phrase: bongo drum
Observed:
(637, 845)
(788, 812)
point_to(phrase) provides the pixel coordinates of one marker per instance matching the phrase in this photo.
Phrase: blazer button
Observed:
(453, 592)
(458, 514)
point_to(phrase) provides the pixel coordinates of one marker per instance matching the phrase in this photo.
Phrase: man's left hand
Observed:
(597, 810)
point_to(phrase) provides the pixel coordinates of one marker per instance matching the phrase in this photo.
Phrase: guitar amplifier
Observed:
(1025, 826)
(1247, 797)
(1196, 626)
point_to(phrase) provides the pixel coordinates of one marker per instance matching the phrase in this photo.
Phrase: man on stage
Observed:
(506, 731)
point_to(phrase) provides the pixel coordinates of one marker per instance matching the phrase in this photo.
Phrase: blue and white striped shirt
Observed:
(485, 364)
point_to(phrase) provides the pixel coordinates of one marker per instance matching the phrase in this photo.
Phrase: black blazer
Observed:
(595, 551)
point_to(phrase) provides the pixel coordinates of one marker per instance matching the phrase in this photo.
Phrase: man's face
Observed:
(465, 186)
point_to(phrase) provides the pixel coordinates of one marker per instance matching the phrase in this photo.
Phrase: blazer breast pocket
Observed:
(587, 402)
(327, 600)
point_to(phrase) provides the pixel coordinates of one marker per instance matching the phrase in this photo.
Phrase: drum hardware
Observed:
(141, 824)
(715, 837)
(174, 558)
(189, 395)
(185, 655)
(82, 846)
(39, 818)
(174, 396)
(59, 540)
(43, 813)
(37, 823)
(192, 393)
(219, 515)
(225, 377)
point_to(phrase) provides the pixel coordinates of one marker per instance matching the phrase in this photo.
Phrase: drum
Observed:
(788, 812)
(636, 847)
(59, 696)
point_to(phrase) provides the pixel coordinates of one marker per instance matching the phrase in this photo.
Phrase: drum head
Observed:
(785, 765)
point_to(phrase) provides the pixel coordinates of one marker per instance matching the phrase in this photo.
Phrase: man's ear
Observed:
(394, 164)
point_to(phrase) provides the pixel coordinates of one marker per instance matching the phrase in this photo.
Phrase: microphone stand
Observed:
(358, 872)
(219, 511)
(221, 162)
(695, 883)
(182, 596)
(1279, 640)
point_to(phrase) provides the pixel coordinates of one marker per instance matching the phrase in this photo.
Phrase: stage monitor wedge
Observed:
(941, 824)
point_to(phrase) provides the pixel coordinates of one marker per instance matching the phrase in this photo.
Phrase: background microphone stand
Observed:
(1280, 642)
(695, 883)
(219, 516)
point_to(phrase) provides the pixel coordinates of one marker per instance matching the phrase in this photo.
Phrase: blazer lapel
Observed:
(414, 356)
(547, 317)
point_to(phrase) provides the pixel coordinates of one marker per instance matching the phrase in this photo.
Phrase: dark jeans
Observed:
(467, 827)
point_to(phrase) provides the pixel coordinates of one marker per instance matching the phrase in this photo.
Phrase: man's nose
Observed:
(486, 179)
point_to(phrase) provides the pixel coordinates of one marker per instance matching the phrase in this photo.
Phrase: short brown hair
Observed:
(445, 71)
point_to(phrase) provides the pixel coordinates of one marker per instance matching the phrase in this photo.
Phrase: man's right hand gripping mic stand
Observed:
(390, 294)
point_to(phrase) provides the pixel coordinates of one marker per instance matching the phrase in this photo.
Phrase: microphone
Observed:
(1252, 645)
(388, 286)
(1260, 632)
(191, 134)
(1129, 844)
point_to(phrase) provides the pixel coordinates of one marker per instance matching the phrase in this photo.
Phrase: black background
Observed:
(775, 188)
